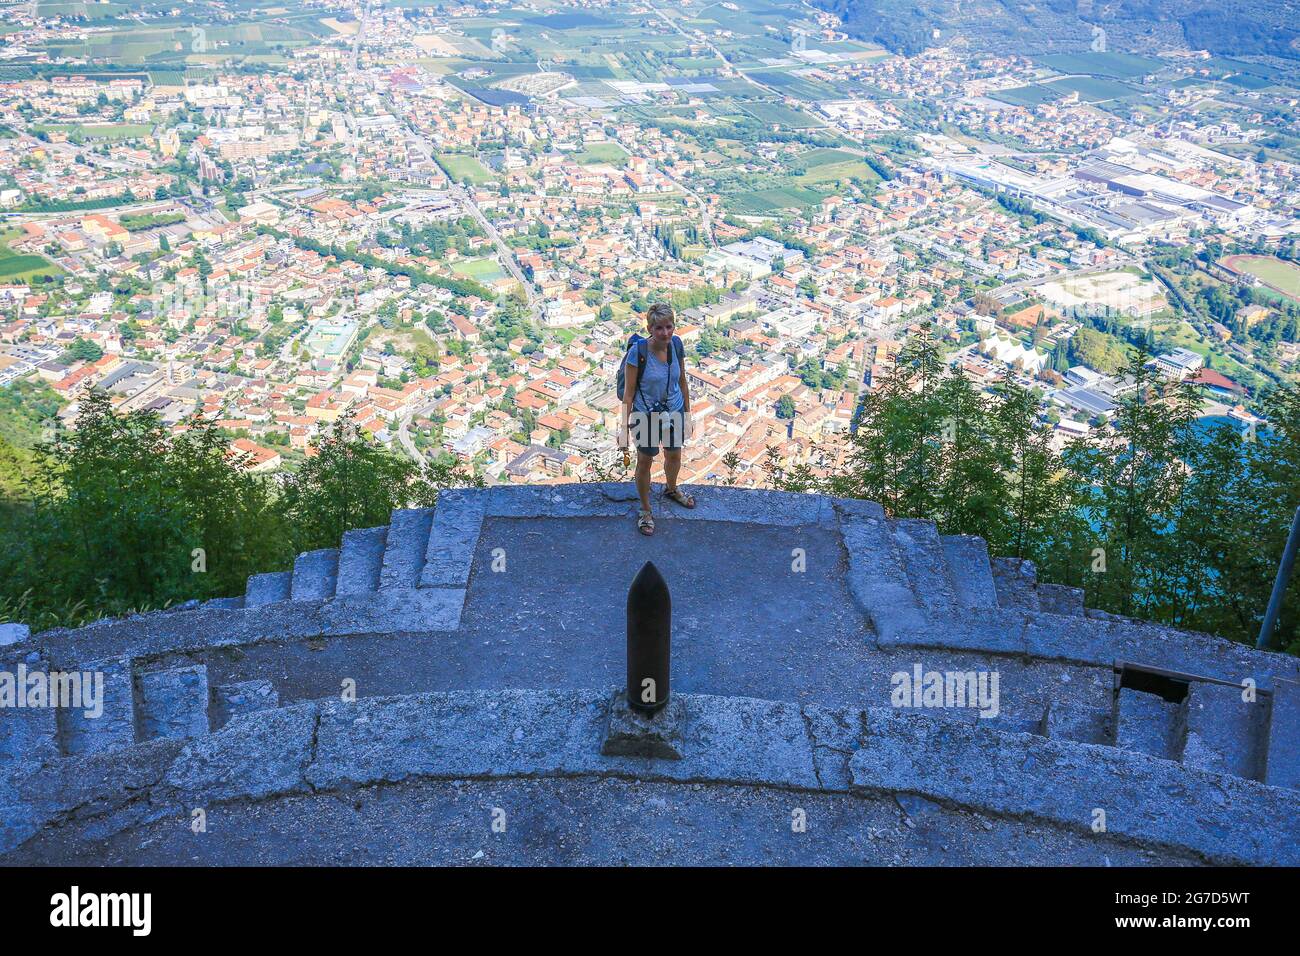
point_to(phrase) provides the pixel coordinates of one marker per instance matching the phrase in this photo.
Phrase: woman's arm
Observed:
(630, 375)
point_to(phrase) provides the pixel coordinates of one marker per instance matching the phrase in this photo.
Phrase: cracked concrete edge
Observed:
(617, 499)
(1041, 637)
(1147, 801)
(163, 632)
(331, 746)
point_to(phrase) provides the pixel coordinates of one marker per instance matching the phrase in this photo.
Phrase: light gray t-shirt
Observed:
(655, 384)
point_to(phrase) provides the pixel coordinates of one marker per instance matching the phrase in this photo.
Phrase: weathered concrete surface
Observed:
(14, 633)
(1059, 599)
(270, 588)
(502, 607)
(583, 821)
(147, 635)
(315, 574)
(1146, 723)
(361, 557)
(1016, 583)
(972, 575)
(632, 733)
(173, 702)
(408, 539)
(1222, 731)
(114, 728)
(876, 577)
(921, 553)
(242, 697)
(457, 522)
(337, 747)
(1282, 749)
(254, 756)
(1223, 819)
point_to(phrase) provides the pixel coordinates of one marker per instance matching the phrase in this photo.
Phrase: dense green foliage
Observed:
(125, 515)
(1154, 516)
(905, 26)
(462, 287)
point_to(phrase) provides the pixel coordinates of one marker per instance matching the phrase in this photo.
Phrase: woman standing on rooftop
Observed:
(655, 409)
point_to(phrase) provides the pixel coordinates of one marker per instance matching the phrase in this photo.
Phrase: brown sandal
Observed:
(645, 522)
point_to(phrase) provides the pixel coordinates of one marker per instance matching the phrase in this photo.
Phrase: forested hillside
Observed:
(1249, 27)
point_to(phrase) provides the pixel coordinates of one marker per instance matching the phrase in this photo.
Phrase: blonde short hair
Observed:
(658, 312)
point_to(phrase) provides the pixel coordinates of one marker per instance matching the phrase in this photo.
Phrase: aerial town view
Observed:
(273, 270)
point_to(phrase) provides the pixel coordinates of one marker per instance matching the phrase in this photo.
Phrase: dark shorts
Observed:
(671, 435)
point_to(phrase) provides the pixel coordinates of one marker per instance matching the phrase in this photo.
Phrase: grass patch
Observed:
(461, 168)
(17, 267)
(610, 154)
(485, 270)
(78, 132)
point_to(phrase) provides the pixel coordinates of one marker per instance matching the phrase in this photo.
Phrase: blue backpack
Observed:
(642, 347)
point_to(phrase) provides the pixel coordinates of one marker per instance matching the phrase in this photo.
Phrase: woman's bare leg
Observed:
(672, 465)
(643, 465)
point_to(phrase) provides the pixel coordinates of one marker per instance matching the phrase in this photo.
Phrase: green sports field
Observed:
(460, 167)
(1280, 275)
(482, 270)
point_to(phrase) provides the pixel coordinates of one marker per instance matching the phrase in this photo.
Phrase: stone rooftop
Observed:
(485, 639)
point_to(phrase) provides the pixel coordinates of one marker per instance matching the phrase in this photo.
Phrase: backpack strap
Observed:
(642, 346)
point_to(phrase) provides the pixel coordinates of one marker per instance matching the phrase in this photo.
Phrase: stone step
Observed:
(1016, 582)
(1282, 746)
(225, 603)
(876, 578)
(1220, 730)
(174, 703)
(1147, 723)
(315, 574)
(114, 724)
(269, 588)
(1078, 724)
(456, 524)
(405, 549)
(917, 543)
(967, 557)
(1061, 599)
(361, 556)
(242, 697)
(27, 733)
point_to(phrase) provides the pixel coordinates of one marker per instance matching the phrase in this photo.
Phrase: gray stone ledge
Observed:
(1086, 640)
(618, 499)
(392, 611)
(984, 630)
(1042, 637)
(330, 745)
(1148, 801)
